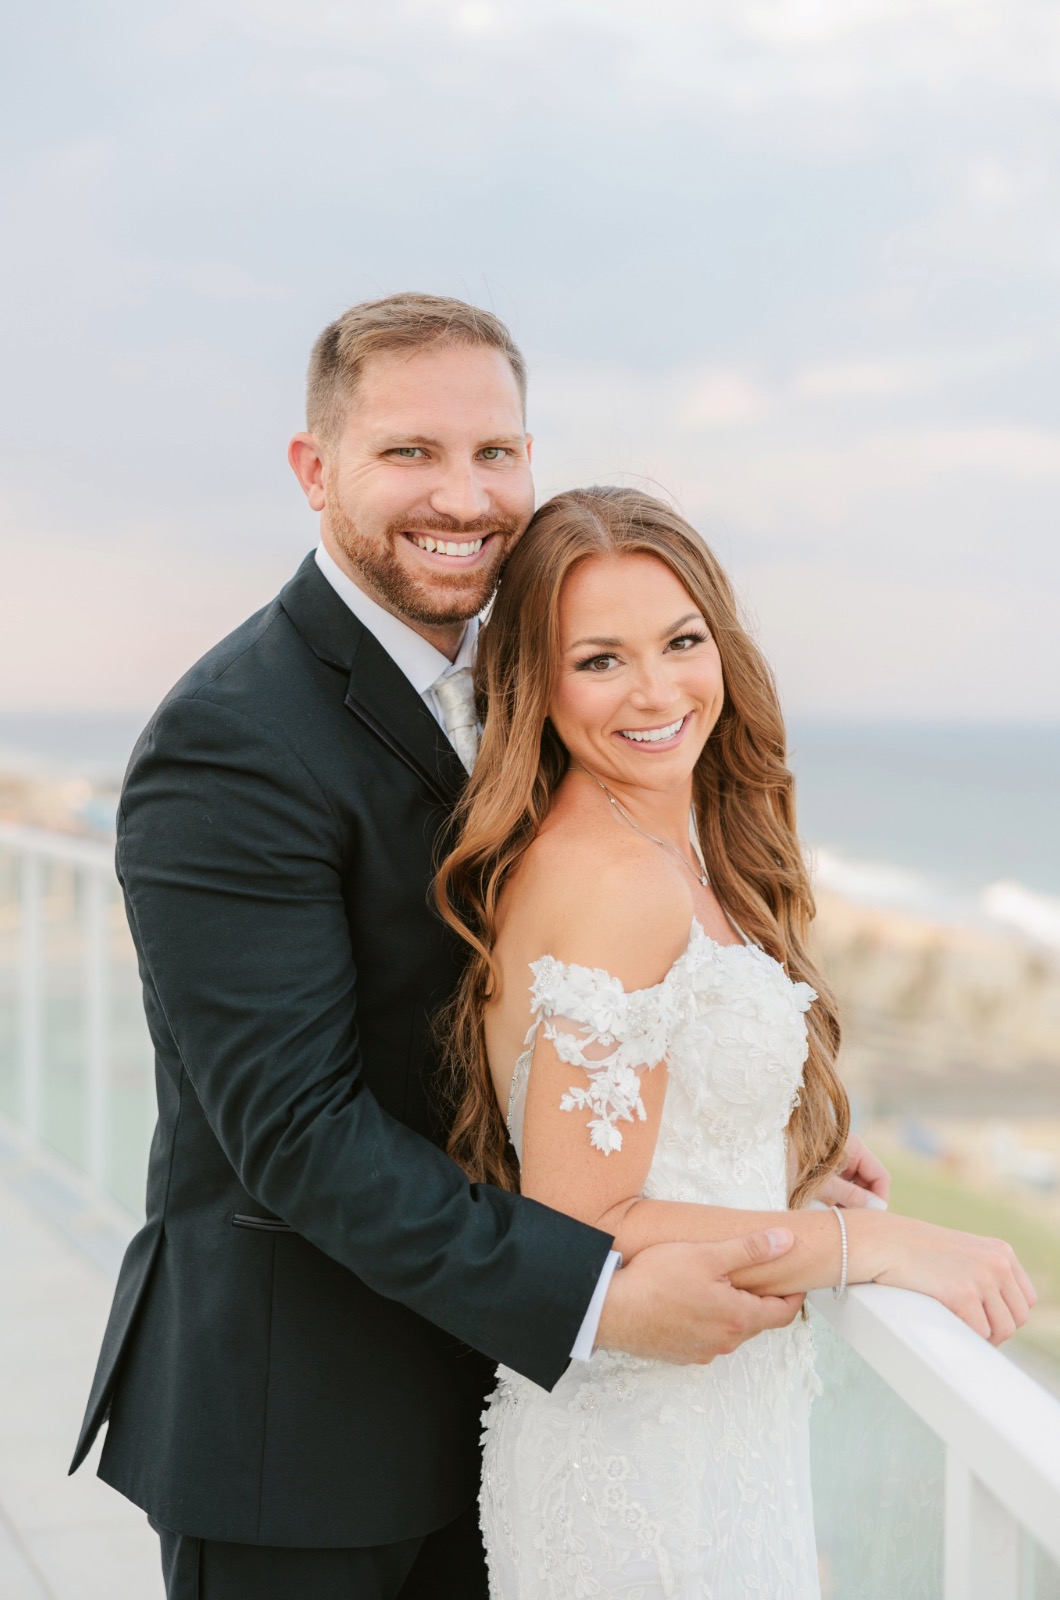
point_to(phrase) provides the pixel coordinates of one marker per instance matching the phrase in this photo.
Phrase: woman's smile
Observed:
(652, 740)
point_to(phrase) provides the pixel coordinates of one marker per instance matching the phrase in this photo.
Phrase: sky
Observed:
(794, 263)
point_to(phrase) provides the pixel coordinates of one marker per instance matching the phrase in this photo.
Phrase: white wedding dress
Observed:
(637, 1478)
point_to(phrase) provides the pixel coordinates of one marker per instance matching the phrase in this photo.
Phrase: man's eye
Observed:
(494, 452)
(407, 452)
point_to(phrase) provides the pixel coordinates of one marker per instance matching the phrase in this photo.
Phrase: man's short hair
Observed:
(407, 322)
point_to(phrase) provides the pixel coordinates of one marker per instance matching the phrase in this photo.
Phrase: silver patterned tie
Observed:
(456, 696)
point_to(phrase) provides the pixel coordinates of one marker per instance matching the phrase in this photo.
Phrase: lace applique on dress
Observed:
(592, 1023)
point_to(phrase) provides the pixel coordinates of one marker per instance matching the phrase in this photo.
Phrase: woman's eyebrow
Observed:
(611, 644)
(689, 616)
(607, 643)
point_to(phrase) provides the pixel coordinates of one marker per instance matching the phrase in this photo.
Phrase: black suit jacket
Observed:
(288, 1356)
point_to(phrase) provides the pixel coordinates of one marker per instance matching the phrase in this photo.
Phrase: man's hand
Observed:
(674, 1302)
(863, 1181)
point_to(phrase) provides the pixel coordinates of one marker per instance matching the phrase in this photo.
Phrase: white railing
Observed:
(999, 1431)
(77, 1055)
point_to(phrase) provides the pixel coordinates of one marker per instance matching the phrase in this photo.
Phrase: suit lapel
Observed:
(379, 694)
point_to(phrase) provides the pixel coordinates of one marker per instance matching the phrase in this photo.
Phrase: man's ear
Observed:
(529, 447)
(307, 463)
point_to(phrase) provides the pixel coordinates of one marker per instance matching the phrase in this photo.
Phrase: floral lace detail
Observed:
(610, 1034)
(636, 1479)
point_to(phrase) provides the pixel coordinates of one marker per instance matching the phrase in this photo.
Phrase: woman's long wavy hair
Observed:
(742, 788)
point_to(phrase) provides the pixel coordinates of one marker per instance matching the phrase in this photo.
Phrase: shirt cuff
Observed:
(583, 1344)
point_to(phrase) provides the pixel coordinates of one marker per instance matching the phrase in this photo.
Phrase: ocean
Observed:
(69, 744)
(955, 821)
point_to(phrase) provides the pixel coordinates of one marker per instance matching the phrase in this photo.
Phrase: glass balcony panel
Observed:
(1042, 1573)
(878, 1483)
(10, 959)
(62, 983)
(64, 1097)
(131, 1100)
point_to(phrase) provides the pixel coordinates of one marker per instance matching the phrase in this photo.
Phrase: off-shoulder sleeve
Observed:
(612, 1036)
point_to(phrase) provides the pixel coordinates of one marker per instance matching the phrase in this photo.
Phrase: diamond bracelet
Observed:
(840, 1288)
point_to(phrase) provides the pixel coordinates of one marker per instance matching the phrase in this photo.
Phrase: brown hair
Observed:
(408, 322)
(743, 792)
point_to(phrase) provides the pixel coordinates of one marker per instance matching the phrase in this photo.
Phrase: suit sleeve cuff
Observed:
(583, 1344)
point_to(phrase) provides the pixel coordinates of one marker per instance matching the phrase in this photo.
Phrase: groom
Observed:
(304, 1327)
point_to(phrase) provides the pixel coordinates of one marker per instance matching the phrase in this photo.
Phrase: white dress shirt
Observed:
(423, 665)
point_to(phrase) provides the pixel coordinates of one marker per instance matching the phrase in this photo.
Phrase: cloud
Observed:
(72, 191)
(853, 379)
(721, 399)
(1019, 454)
(757, 60)
(692, 398)
(477, 16)
(890, 376)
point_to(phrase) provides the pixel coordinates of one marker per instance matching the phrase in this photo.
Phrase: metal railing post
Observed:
(31, 995)
(97, 1023)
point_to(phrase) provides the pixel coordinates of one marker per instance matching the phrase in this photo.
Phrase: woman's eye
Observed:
(685, 641)
(595, 663)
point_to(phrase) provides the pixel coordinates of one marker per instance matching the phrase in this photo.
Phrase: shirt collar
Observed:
(421, 663)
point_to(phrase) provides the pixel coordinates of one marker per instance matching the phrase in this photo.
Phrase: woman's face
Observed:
(639, 684)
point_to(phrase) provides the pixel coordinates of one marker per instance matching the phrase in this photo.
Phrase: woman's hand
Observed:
(980, 1280)
(863, 1179)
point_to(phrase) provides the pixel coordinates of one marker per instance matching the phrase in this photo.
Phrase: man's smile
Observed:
(452, 549)
(447, 547)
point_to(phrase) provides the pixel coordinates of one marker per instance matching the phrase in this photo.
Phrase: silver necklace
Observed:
(701, 875)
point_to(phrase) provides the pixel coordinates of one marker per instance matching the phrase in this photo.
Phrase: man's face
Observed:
(428, 486)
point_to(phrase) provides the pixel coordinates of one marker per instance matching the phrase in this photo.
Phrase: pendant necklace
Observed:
(701, 874)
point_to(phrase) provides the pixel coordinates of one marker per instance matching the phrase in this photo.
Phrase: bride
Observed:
(641, 1040)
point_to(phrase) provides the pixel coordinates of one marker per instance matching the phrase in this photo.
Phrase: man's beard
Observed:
(435, 601)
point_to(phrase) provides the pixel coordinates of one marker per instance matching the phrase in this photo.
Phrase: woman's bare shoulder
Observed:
(590, 890)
